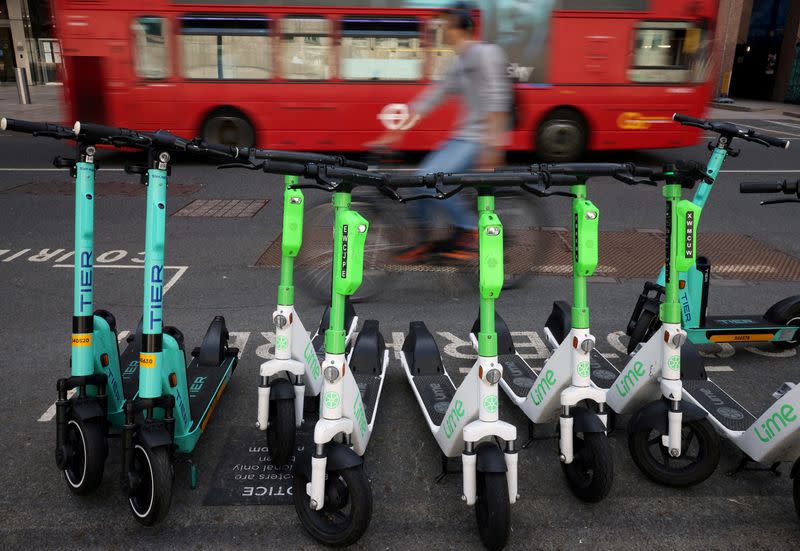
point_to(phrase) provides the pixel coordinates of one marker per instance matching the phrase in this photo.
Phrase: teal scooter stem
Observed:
(90, 401)
(778, 325)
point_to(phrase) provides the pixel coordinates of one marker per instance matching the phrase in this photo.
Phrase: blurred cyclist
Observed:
(478, 75)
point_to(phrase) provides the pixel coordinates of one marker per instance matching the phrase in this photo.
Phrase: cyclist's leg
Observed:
(453, 156)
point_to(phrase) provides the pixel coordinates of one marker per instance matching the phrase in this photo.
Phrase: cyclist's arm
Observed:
(496, 92)
(431, 97)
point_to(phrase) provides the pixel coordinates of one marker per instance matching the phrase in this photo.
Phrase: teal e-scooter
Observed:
(779, 325)
(91, 400)
(176, 398)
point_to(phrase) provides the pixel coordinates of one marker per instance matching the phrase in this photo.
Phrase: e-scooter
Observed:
(774, 436)
(780, 323)
(175, 399)
(669, 438)
(465, 420)
(332, 494)
(84, 418)
(562, 388)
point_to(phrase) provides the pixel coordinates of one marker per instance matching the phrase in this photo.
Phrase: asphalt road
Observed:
(214, 273)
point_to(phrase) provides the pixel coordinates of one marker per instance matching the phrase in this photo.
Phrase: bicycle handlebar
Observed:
(37, 128)
(731, 130)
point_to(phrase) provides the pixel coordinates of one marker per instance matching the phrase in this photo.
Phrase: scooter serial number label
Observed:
(147, 361)
(81, 339)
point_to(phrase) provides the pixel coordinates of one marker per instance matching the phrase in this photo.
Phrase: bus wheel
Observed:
(228, 126)
(561, 136)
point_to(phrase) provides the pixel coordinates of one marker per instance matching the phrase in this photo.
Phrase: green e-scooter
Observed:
(84, 418)
(465, 420)
(176, 398)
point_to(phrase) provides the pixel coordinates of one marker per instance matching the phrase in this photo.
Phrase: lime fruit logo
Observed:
(674, 363)
(583, 369)
(281, 343)
(490, 404)
(331, 399)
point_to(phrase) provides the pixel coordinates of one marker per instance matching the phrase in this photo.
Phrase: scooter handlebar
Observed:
(302, 157)
(783, 186)
(731, 130)
(30, 127)
(111, 135)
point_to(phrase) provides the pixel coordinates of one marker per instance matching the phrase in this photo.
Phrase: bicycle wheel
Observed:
(313, 263)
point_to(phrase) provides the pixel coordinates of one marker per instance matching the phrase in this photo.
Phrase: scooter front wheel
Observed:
(281, 432)
(493, 509)
(347, 511)
(591, 473)
(698, 460)
(87, 449)
(152, 495)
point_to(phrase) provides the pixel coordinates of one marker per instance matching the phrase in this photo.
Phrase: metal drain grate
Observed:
(623, 254)
(101, 189)
(222, 208)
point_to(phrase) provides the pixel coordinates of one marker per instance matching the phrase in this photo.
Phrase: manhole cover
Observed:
(101, 189)
(634, 253)
(222, 208)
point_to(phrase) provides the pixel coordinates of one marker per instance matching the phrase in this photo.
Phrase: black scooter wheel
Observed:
(493, 510)
(698, 460)
(151, 498)
(87, 449)
(796, 493)
(646, 326)
(347, 511)
(591, 473)
(281, 431)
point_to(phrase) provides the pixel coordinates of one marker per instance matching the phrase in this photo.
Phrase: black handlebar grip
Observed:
(762, 187)
(405, 180)
(219, 149)
(102, 132)
(30, 127)
(562, 180)
(358, 165)
(356, 176)
(686, 119)
(642, 171)
(775, 142)
(284, 167)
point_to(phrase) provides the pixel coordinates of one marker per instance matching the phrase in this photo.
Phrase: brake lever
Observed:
(248, 166)
(541, 191)
(391, 193)
(779, 201)
(631, 181)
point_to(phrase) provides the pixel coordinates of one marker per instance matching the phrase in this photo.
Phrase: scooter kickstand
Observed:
(744, 466)
(531, 438)
(445, 470)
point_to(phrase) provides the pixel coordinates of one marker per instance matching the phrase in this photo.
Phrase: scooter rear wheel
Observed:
(87, 446)
(698, 460)
(347, 511)
(281, 432)
(591, 473)
(493, 509)
(152, 497)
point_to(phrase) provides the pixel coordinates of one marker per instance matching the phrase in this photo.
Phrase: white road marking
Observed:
(796, 127)
(719, 368)
(6, 169)
(13, 256)
(772, 132)
(167, 286)
(48, 415)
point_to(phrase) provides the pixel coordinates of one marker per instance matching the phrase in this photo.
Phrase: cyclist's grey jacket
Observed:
(478, 75)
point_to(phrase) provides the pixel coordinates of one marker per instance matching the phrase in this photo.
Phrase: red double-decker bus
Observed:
(589, 74)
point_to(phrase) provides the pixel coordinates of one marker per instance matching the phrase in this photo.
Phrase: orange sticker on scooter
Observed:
(81, 339)
(147, 361)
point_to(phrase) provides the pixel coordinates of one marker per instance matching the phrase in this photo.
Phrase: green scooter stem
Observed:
(291, 240)
(670, 310)
(490, 251)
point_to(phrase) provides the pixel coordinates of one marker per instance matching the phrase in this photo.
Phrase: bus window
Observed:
(225, 47)
(305, 48)
(669, 52)
(150, 56)
(381, 49)
(441, 54)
